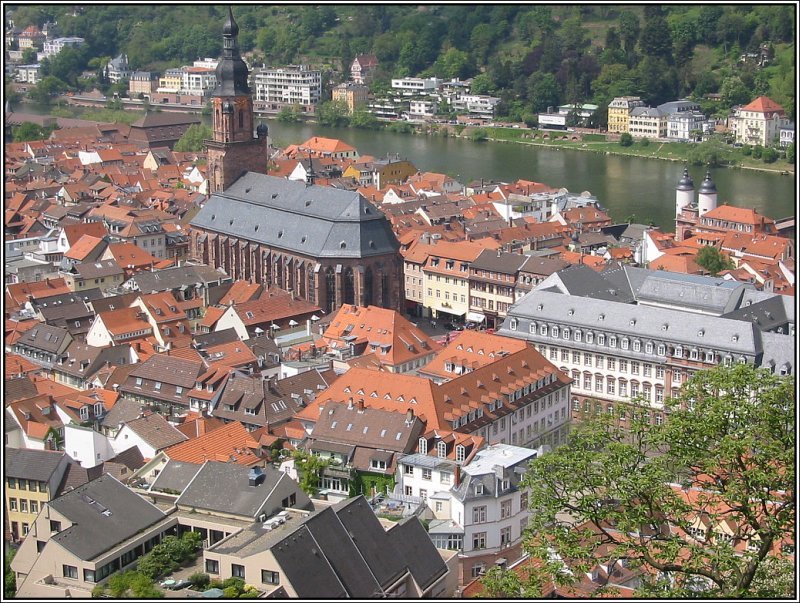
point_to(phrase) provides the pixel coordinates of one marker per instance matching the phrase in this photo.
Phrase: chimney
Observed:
(255, 477)
(409, 416)
(360, 405)
(502, 563)
(350, 404)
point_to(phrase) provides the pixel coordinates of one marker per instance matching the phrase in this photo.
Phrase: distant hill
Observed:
(532, 56)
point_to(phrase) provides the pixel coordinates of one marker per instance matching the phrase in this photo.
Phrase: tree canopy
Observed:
(658, 52)
(701, 505)
(713, 260)
(192, 139)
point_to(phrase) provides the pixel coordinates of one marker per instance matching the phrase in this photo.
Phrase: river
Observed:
(625, 186)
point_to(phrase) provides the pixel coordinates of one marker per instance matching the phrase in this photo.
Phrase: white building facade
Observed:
(290, 85)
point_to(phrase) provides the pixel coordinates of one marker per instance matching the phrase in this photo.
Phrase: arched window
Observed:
(368, 286)
(330, 290)
(423, 446)
(348, 287)
(441, 450)
(241, 119)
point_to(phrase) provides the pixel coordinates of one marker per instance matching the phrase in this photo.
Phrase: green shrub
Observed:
(625, 140)
(478, 135)
(253, 594)
(769, 155)
(231, 592)
(758, 150)
(200, 580)
(747, 150)
(215, 583)
(237, 583)
(644, 142)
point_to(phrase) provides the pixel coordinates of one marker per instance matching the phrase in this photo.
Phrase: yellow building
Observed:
(32, 478)
(619, 111)
(353, 95)
(446, 287)
(171, 81)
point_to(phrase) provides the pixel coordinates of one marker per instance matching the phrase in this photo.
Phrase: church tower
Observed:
(235, 148)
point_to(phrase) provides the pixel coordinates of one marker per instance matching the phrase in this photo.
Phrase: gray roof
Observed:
(311, 576)
(716, 296)
(38, 465)
(768, 314)
(175, 476)
(412, 543)
(156, 431)
(317, 221)
(203, 492)
(645, 322)
(582, 281)
(45, 337)
(175, 278)
(97, 269)
(779, 352)
(506, 263)
(125, 409)
(679, 105)
(104, 513)
(646, 112)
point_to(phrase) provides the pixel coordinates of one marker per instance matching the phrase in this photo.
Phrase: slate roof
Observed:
(412, 543)
(175, 278)
(18, 388)
(125, 410)
(104, 513)
(38, 465)
(156, 431)
(203, 492)
(495, 261)
(44, 337)
(175, 475)
(682, 326)
(319, 221)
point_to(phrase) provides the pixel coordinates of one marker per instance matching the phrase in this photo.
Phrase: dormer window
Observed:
(84, 413)
(461, 453)
(479, 488)
(441, 449)
(513, 324)
(423, 446)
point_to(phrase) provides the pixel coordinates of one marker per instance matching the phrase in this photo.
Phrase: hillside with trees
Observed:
(531, 56)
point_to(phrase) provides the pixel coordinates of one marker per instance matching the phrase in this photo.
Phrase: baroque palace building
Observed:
(326, 245)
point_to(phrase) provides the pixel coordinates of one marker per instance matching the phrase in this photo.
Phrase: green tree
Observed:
(333, 114)
(544, 91)
(10, 580)
(769, 155)
(790, 153)
(629, 30)
(610, 493)
(289, 114)
(192, 139)
(29, 56)
(30, 131)
(362, 118)
(713, 260)
(734, 91)
(625, 139)
(656, 38)
(44, 92)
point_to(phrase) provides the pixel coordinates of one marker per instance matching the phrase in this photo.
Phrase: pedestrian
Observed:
(433, 324)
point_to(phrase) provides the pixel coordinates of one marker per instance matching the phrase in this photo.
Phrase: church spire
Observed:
(232, 71)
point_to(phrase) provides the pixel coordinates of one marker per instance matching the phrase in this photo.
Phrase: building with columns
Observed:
(325, 245)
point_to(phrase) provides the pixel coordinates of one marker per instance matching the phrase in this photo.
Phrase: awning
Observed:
(450, 311)
(475, 317)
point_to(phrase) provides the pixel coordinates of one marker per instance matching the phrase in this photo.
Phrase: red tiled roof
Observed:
(763, 104)
(231, 443)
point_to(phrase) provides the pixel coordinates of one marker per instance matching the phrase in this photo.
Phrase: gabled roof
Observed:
(763, 104)
(394, 339)
(471, 349)
(156, 431)
(37, 465)
(230, 444)
(103, 514)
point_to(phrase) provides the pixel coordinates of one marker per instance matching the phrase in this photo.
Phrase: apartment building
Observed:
(647, 122)
(351, 94)
(634, 333)
(619, 111)
(31, 479)
(290, 85)
(56, 45)
(446, 279)
(759, 122)
(492, 284)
